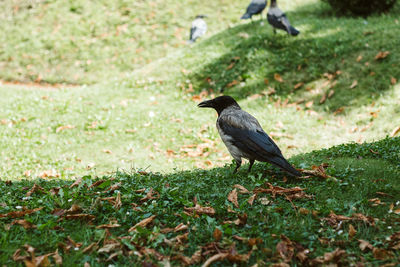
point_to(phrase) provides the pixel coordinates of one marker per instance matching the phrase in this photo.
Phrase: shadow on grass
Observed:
(343, 49)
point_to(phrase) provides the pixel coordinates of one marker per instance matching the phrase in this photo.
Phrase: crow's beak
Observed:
(206, 104)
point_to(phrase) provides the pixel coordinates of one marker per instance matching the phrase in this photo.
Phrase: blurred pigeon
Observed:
(199, 28)
(278, 19)
(255, 7)
(244, 137)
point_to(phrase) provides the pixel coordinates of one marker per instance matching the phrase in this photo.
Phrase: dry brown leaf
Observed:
(359, 58)
(278, 78)
(298, 85)
(62, 128)
(318, 171)
(57, 258)
(199, 209)
(382, 55)
(395, 131)
(142, 223)
(118, 203)
(230, 66)
(331, 93)
(216, 257)
(76, 183)
(217, 234)
(80, 216)
(150, 196)
(24, 223)
(364, 245)
(108, 226)
(242, 189)
(352, 231)
(232, 83)
(323, 99)
(382, 254)
(309, 104)
(20, 213)
(74, 209)
(285, 248)
(35, 188)
(232, 197)
(251, 199)
(393, 80)
(354, 84)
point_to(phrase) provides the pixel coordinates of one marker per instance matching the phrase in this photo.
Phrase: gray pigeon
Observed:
(278, 20)
(199, 28)
(243, 136)
(255, 7)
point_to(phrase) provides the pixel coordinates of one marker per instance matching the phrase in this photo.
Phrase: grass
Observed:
(359, 178)
(112, 95)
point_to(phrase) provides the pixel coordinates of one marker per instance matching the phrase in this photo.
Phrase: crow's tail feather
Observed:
(246, 16)
(284, 165)
(293, 31)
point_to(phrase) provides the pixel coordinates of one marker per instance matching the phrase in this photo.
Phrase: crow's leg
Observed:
(251, 165)
(238, 163)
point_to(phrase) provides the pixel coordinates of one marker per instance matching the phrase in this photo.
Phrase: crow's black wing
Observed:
(257, 145)
(255, 8)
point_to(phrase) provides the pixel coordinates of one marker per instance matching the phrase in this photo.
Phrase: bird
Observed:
(243, 135)
(254, 8)
(278, 19)
(199, 28)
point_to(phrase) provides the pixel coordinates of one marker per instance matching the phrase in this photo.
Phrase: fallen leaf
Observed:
(364, 245)
(150, 195)
(318, 171)
(35, 188)
(217, 234)
(108, 226)
(17, 214)
(352, 231)
(382, 254)
(309, 104)
(80, 216)
(359, 58)
(278, 77)
(118, 203)
(298, 85)
(76, 183)
(382, 55)
(395, 131)
(142, 223)
(323, 99)
(393, 80)
(331, 93)
(232, 197)
(62, 128)
(24, 223)
(285, 248)
(251, 199)
(354, 84)
(233, 83)
(230, 66)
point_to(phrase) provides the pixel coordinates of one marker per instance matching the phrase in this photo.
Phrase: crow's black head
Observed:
(219, 103)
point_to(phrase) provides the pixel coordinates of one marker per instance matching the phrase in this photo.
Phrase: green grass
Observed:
(359, 175)
(93, 41)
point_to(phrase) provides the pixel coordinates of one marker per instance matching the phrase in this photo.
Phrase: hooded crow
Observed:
(244, 137)
(278, 20)
(254, 8)
(199, 28)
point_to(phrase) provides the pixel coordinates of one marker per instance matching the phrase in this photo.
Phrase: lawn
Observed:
(107, 95)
